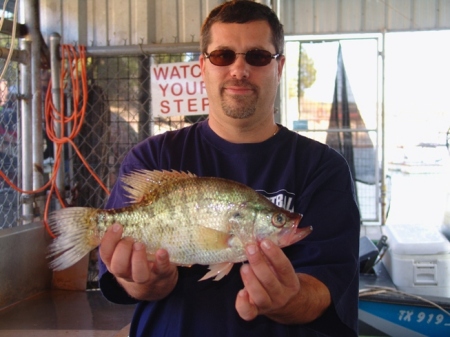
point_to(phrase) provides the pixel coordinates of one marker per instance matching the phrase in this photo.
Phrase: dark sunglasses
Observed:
(226, 57)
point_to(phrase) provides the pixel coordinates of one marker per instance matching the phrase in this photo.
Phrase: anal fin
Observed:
(218, 271)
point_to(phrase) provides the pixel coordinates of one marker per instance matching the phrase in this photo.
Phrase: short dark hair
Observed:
(242, 11)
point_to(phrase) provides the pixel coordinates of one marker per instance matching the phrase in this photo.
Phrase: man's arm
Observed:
(272, 288)
(127, 261)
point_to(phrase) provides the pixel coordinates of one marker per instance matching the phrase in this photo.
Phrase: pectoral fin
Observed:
(218, 271)
(211, 239)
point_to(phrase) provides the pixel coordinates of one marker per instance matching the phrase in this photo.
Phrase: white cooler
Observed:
(418, 260)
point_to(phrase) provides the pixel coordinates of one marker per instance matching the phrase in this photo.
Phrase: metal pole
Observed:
(144, 49)
(8, 26)
(25, 95)
(144, 97)
(55, 65)
(32, 19)
(17, 55)
(383, 140)
(70, 151)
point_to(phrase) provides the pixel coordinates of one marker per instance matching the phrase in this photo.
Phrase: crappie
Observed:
(198, 220)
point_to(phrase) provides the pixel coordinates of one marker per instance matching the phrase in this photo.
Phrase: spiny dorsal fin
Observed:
(142, 182)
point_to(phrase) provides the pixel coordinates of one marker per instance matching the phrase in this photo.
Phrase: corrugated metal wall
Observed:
(118, 22)
(363, 16)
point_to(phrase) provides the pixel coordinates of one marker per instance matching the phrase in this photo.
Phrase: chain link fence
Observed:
(9, 139)
(118, 116)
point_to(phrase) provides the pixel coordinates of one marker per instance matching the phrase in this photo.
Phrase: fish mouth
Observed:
(290, 235)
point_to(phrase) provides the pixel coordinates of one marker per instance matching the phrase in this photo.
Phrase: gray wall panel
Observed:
(351, 15)
(23, 263)
(373, 16)
(326, 16)
(444, 13)
(117, 22)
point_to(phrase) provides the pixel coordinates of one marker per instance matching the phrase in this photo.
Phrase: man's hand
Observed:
(272, 288)
(127, 261)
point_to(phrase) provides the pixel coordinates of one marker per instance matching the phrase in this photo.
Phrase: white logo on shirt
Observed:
(281, 198)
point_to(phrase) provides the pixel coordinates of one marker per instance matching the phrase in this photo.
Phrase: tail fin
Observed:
(76, 235)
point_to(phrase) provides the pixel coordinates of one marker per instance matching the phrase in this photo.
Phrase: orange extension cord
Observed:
(73, 68)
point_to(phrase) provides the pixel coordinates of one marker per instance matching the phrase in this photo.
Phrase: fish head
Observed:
(279, 226)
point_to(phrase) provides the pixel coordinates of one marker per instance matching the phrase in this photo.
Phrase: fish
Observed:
(198, 220)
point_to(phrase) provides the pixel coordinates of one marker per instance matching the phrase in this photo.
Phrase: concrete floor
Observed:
(66, 313)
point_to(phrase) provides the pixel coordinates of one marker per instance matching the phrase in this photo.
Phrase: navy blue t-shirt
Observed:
(296, 173)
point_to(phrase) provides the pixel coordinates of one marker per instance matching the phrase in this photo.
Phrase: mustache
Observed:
(240, 83)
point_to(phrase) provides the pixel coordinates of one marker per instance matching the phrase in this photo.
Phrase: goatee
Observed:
(239, 106)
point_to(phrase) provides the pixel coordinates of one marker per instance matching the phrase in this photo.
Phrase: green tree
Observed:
(306, 73)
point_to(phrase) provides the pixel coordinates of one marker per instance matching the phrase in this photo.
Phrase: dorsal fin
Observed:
(142, 182)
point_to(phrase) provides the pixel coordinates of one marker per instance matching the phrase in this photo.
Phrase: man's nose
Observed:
(240, 68)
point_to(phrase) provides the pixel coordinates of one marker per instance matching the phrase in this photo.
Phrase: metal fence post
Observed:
(27, 156)
(32, 19)
(55, 63)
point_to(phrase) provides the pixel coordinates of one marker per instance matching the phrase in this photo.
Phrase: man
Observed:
(307, 289)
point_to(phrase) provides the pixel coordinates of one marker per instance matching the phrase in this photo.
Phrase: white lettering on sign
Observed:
(178, 89)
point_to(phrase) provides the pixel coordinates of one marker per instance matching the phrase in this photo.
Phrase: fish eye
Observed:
(278, 220)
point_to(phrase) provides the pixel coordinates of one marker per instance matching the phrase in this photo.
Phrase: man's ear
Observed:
(202, 61)
(281, 62)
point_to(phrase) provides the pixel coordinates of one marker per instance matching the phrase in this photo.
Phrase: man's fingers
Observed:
(162, 263)
(279, 263)
(109, 242)
(120, 262)
(254, 288)
(244, 307)
(140, 270)
(269, 279)
(263, 270)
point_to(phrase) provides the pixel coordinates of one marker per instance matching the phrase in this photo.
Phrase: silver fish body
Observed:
(198, 220)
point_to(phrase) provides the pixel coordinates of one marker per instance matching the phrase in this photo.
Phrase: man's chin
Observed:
(238, 112)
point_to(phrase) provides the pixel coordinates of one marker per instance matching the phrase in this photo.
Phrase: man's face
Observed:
(240, 90)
